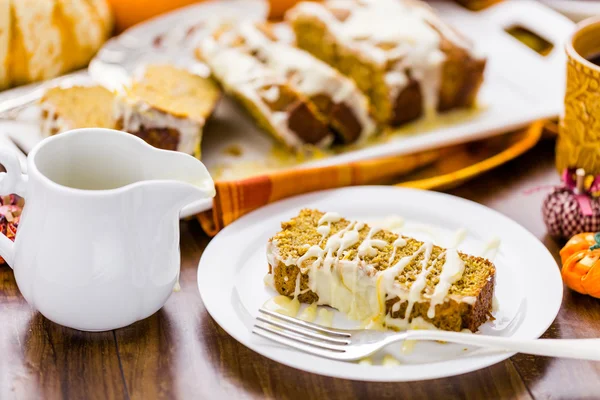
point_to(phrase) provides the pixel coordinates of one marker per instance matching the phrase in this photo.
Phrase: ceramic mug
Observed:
(97, 246)
(578, 144)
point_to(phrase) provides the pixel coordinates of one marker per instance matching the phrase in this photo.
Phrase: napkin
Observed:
(435, 169)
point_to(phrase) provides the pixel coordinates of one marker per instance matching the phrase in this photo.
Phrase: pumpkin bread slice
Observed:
(375, 275)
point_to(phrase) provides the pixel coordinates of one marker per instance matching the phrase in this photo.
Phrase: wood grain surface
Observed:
(180, 352)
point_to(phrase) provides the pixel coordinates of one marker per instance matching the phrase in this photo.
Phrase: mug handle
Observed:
(11, 181)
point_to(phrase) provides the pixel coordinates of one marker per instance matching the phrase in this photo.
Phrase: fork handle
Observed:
(584, 349)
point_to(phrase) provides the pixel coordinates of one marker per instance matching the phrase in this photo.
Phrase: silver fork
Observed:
(349, 345)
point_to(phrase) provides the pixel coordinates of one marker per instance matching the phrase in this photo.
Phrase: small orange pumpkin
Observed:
(581, 263)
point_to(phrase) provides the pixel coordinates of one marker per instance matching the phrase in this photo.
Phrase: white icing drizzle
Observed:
(369, 246)
(297, 288)
(354, 305)
(325, 317)
(283, 305)
(269, 281)
(329, 218)
(495, 304)
(490, 249)
(418, 285)
(431, 231)
(389, 361)
(386, 282)
(271, 94)
(136, 114)
(313, 251)
(459, 237)
(452, 272)
(403, 324)
(250, 66)
(404, 40)
(309, 75)
(392, 223)
(309, 313)
(324, 230)
(243, 74)
(350, 238)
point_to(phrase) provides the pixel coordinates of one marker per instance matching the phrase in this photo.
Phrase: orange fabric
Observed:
(237, 198)
(440, 168)
(469, 160)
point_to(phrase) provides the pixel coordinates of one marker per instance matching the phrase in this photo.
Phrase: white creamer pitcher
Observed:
(97, 246)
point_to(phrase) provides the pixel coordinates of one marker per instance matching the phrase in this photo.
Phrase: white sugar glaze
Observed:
(308, 75)
(490, 249)
(136, 114)
(243, 74)
(358, 289)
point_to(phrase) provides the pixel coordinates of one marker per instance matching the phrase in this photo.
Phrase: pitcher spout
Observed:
(172, 196)
(173, 180)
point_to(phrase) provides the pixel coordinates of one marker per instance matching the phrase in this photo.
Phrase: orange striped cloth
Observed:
(427, 170)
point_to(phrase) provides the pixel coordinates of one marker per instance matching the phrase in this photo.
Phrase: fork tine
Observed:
(302, 331)
(295, 345)
(297, 341)
(305, 324)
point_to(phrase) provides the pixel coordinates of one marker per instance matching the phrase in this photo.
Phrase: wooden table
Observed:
(181, 353)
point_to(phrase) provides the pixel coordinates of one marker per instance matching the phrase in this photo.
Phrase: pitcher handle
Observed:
(11, 181)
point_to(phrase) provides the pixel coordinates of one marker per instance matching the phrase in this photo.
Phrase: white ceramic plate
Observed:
(528, 293)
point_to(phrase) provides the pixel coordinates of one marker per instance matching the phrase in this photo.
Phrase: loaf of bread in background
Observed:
(43, 39)
(294, 96)
(400, 54)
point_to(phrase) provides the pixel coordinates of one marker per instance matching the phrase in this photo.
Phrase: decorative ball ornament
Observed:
(573, 207)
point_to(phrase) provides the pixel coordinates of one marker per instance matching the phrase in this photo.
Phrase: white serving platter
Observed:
(520, 85)
(576, 9)
(528, 283)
